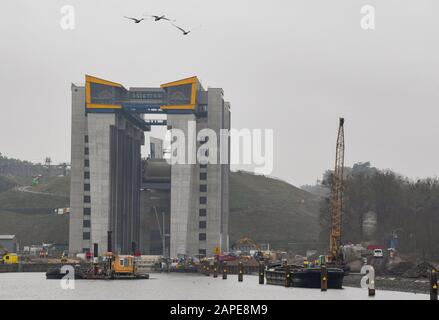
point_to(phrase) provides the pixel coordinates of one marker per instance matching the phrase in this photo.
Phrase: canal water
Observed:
(174, 286)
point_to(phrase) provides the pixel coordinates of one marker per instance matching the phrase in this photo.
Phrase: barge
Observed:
(305, 277)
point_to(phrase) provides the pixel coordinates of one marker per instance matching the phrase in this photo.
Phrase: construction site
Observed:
(132, 217)
(233, 150)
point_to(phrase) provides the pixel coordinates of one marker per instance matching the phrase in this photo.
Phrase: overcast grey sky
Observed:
(293, 66)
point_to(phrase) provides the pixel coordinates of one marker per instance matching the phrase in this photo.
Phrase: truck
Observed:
(10, 258)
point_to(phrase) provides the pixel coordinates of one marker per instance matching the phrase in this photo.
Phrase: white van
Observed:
(378, 253)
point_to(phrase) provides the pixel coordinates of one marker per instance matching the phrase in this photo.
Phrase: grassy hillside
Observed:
(55, 185)
(269, 210)
(15, 199)
(264, 209)
(6, 183)
(33, 228)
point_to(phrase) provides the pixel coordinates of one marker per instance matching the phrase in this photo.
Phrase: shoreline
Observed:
(388, 283)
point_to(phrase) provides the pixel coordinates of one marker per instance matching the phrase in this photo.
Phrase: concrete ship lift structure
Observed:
(107, 173)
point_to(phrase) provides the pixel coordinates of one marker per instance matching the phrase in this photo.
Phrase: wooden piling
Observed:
(324, 278)
(287, 276)
(433, 284)
(240, 271)
(261, 272)
(224, 267)
(207, 268)
(371, 288)
(215, 269)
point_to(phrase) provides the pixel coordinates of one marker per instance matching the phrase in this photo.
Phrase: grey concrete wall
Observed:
(225, 172)
(214, 175)
(115, 179)
(79, 130)
(182, 195)
(99, 145)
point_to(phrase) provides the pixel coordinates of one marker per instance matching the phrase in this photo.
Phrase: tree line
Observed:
(407, 211)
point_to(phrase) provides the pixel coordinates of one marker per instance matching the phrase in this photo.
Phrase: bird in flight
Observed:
(182, 30)
(135, 20)
(158, 18)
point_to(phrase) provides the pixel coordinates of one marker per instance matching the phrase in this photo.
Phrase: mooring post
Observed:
(371, 287)
(433, 284)
(323, 278)
(207, 268)
(95, 257)
(287, 276)
(215, 269)
(224, 270)
(261, 272)
(240, 271)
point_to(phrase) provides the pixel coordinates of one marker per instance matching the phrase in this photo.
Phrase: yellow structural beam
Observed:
(192, 81)
(91, 79)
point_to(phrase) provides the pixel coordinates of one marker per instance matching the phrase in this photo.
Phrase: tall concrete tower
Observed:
(199, 191)
(108, 125)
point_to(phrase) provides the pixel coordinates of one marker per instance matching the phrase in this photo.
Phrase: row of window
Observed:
(86, 211)
(203, 200)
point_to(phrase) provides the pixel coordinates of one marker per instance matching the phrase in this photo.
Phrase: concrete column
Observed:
(183, 210)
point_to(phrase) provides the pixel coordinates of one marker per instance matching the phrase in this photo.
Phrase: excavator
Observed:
(249, 242)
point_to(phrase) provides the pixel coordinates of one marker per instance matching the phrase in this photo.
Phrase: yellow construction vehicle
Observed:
(7, 257)
(10, 258)
(250, 245)
(120, 266)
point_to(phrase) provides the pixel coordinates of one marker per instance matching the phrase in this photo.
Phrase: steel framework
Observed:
(336, 205)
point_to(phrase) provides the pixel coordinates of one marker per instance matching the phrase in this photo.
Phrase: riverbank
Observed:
(413, 285)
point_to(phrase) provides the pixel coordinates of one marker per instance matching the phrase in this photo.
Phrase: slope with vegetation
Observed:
(273, 211)
(20, 211)
(264, 209)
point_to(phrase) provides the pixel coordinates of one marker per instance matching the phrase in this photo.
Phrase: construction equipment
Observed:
(336, 204)
(249, 244)
(10, 258)
(7, 257)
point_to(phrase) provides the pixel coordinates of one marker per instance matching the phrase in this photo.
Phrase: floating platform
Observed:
(305, 277)
(55, 274)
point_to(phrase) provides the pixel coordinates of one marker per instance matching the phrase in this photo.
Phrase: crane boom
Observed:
(336, 205)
